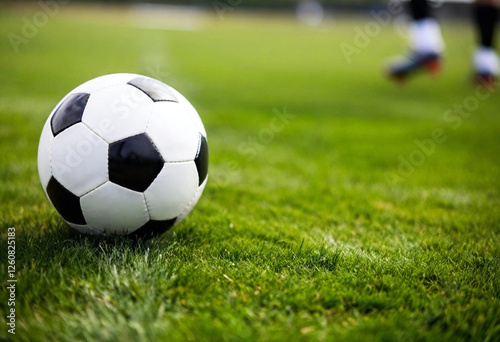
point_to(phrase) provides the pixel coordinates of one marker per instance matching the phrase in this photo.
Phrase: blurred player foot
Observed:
(486, 66)
(414, 62)
(426, 45)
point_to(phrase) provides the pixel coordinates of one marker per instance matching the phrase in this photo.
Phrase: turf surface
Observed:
(329, 224)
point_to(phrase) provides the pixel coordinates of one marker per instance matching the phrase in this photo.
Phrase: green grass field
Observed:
(319, 230)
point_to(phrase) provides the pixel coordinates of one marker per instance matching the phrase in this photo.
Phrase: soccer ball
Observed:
(123, 154)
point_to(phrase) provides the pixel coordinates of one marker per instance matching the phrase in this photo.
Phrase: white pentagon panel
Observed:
(172, 190)
(102, 82)
(44, 148)
(84, 229)
(112, 209)
(118, 112)
(191, 111)
(79, 159)
(193, 202)
(173, 132)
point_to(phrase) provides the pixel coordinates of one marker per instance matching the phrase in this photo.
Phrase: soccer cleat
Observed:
(486, 66)
(488, 80)
(414, 63)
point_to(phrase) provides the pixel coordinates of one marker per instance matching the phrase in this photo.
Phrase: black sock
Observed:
(420, 9)
(486, 19)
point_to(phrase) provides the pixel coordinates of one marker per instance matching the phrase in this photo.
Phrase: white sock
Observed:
(425, 36)
(486, 60)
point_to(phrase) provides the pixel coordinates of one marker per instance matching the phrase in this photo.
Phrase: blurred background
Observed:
(447, 8)
(235, 59)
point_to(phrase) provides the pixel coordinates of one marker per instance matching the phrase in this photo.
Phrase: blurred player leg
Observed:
(486, 61)
(426, 44)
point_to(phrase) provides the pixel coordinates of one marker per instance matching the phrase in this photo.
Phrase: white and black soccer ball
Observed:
(123, 154)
